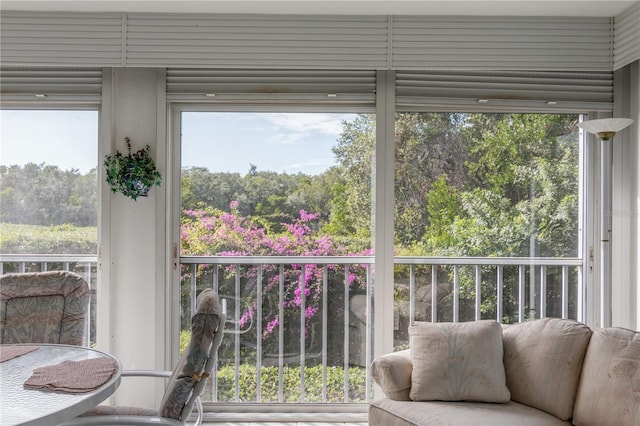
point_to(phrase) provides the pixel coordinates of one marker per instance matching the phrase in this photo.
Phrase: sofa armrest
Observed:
(392, 372)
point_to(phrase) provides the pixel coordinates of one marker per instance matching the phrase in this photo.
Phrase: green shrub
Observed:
(57, 239)
(290, 384)
(185, 335)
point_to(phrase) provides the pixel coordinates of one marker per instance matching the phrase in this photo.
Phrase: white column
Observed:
(383, 203)
(133, 251)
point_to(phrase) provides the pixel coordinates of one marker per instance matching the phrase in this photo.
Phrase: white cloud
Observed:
(303, 123)
(286, 138)
(308, 167)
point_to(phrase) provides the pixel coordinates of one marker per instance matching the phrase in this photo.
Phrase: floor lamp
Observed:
(605, 129)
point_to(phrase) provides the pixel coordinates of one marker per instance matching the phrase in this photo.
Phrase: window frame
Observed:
(384, 173)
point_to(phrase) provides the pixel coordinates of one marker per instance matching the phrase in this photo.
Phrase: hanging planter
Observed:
(133, 174)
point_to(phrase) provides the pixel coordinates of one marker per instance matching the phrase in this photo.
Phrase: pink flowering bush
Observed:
(212, 232)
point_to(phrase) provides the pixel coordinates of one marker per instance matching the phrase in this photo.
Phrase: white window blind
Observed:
(626, 37)
(346, 87)
(502, 43)
(257, 41)
(354, 42)
(66, 39)
(531, 91)
(20, 84)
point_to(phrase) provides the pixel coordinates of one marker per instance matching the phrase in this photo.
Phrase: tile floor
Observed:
(225, 418)
(285, 424)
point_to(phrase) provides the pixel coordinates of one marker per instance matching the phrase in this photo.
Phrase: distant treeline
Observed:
(41, 194)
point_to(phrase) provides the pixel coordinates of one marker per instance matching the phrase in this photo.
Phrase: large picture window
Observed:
(275, 206)
(481, 186)
(48, 193)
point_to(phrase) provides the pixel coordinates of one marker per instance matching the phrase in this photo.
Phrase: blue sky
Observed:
(67, 139)
(280, 142)
(228, 142)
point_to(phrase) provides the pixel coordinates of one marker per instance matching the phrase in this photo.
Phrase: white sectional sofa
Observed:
(543, 372)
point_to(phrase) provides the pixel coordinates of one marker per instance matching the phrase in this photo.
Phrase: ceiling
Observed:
(600, 8)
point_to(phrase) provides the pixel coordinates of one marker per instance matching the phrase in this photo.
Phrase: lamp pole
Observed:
(605, 129)
(606, 190)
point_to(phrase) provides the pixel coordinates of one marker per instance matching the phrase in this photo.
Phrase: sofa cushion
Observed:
(542, 361)
(457, 362)
(392, 372)
(609, 390)
(386, 412)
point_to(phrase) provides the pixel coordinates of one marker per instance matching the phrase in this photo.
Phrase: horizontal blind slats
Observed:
(321, 42)
(501, 43)
(327, 86)
(260, 41)
(582, 91)
(327, 42)
(626, 37)
(74, 39)
(29, 84)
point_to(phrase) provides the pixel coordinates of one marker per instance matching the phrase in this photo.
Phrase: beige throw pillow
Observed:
(542, 360)
(609, 389)
(457, 362)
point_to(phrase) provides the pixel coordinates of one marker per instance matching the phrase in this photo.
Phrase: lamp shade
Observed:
(605, 128)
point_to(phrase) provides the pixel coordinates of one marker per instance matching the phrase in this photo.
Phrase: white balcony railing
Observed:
(307, 338)
(339, 291)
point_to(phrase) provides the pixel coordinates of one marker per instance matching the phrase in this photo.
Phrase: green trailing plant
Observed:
(133, 174)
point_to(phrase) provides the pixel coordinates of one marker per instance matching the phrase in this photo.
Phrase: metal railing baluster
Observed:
(500, 293)
(214, 377)
(521, 293)
(565, 292)
(236, 326)
(259, 334)
(456, 293)
(303, 299)
(346, 334)
(478, 292)
(281, 335)
(543, 291)
(325, 329)
(434, 293)
(194, 277)
(412, 290)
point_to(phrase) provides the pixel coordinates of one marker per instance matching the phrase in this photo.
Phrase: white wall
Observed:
(626, 202)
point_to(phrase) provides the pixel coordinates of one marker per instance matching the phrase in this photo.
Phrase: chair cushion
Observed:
(43, 307)
(609, 389)
(120, 410)
(387, 412)
(191, 367)
(457, 362)
(542, 361)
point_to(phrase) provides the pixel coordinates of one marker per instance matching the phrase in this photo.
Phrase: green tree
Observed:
(354, 153)
(521, 193)
(202, 188)
(40, 194)
(428, 147)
